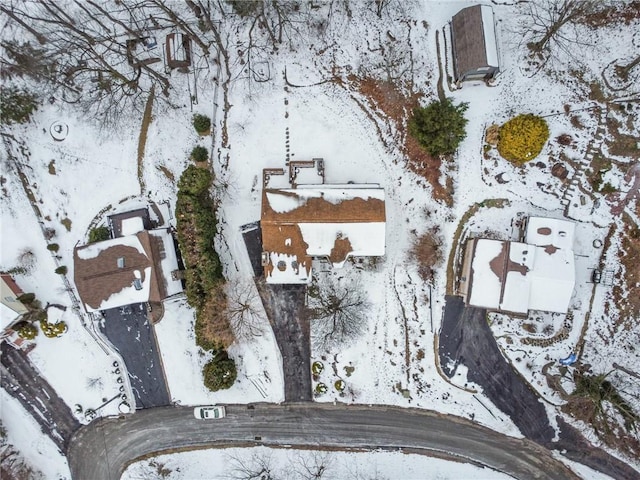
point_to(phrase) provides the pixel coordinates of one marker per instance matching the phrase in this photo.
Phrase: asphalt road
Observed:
(22, 381)
(130, 332)
(159, 429)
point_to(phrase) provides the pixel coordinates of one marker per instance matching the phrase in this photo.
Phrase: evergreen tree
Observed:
(439, 127)
(220, 373)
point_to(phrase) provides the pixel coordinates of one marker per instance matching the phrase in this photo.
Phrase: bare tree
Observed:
(338, 312)
(549, 27)
(245, 311)
(311, 465)
(257, 467)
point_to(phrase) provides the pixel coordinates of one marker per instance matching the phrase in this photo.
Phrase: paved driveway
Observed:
(466, 338)
(128, 329)
(22, 381)
(285, 309)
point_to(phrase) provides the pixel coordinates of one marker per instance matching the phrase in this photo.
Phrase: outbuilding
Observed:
(474, 44)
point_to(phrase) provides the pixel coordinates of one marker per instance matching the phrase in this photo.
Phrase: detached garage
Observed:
(474, 45)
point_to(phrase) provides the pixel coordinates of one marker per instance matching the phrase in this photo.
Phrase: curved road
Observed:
(103, 449)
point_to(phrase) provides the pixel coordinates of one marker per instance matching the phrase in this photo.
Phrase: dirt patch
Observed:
(630, 258)
(142, 139)
(616, 13)
(388, 100)
(167, 173)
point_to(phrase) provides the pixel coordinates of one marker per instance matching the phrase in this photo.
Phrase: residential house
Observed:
(137, 266)
(515, 277)
(332, 222)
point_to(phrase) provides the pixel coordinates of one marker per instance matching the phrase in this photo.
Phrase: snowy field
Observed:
(93, 172)
(285, 463)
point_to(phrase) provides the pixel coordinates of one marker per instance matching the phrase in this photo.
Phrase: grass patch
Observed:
(67, 223)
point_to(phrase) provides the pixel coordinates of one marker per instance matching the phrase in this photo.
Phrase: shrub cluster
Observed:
(220, 373)
(26, 330)
(201, 123)
(199, 154)
(99, 234)
(197, 227)
(522, 138)
(53, 330)
(61, 270)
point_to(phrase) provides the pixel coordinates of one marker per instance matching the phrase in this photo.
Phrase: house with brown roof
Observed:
(137, 267)
(474, 44)
(333, 222)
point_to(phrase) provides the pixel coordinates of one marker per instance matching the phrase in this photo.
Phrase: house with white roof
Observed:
(333, 222)
(515, 277)
(137, 266)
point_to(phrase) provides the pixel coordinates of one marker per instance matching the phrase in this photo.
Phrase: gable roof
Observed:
(332, 221)
(517, 277)
(125, 270)
(474, 42)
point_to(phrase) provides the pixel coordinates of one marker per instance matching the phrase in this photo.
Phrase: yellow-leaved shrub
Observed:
(521, 139)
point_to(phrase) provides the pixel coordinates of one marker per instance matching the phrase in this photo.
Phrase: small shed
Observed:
(474, 44)
(178, 50)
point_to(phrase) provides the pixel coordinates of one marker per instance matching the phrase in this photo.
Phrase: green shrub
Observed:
(199, 154)
(53, 330)
(522, 138)
(26, 330)
(201, 123)
(16, 105)
(61, 270)
(439, 127)
(54, 247)
(220, 373)
(27, 298)
(608, 188)
(195, 181)
(99, 234)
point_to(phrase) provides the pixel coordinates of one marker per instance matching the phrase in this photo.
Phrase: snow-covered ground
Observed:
(93, 172)
(286, 463)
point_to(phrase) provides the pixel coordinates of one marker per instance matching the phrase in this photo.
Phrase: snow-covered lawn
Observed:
(286, 463)
(92, 172)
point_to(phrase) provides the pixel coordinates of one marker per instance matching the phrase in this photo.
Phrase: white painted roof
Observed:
(550, 231)
(531, 278)
(131, 226)
(170, 261)
(486, 285)
(489, 31)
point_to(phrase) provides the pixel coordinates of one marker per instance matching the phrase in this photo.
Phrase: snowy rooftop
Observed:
(550, 231)
(518, 277)
(125, 270)
(332, 221)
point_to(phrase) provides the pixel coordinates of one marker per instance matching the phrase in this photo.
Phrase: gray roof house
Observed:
(474, 45)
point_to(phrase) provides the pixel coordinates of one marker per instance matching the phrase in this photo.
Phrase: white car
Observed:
(212, 411)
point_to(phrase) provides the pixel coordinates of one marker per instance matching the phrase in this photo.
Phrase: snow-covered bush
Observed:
(522, 138)
(26, 330)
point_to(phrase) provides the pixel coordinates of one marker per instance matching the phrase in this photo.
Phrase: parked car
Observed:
(208, 412)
